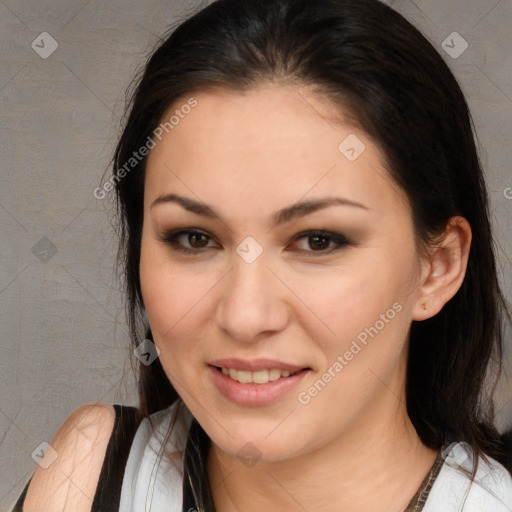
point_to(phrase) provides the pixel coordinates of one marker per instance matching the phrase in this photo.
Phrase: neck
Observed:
(374, 465)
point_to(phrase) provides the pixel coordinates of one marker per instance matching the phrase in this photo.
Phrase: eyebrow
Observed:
(287, 214)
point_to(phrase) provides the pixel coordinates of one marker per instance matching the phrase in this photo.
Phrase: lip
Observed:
(256, 395)
(255, 364)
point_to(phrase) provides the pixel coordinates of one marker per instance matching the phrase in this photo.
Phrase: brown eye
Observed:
(319, 241)
(197, 240)
(187, 240)
(322, 242)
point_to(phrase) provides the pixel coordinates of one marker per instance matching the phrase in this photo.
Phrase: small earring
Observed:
(424, 306)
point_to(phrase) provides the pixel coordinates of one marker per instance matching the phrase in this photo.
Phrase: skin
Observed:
(353, 447)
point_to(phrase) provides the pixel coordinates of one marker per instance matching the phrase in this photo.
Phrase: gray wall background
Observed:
(64, 339)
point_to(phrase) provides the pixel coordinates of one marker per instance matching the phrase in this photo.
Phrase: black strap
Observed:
(108, 492)
(19, 504)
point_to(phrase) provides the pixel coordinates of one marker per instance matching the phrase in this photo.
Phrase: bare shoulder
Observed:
(70, 482)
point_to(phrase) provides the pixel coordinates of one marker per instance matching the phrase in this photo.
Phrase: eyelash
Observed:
(339, 240)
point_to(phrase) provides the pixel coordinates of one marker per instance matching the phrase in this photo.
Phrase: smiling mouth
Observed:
(258, 377)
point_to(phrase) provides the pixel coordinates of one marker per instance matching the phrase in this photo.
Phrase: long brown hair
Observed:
(371, 60)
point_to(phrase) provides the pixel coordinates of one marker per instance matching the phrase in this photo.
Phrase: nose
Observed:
(252, 301)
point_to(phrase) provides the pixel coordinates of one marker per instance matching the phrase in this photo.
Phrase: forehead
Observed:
(275, 142)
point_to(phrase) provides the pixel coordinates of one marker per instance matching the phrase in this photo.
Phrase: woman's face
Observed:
(258, 291)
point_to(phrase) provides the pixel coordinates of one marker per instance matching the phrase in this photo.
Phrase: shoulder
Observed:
(75, 459)
(491, 490)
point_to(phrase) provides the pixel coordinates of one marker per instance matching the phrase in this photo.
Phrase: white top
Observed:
(153, 476)
(453, 491)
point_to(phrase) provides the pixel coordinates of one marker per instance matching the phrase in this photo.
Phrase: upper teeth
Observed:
(259, 377)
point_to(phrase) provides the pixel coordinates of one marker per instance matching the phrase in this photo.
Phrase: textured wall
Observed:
(63, 339)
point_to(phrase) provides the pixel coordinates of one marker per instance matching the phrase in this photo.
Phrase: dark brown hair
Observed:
(368, 58)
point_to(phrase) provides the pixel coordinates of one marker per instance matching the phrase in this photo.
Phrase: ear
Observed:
(443, 273)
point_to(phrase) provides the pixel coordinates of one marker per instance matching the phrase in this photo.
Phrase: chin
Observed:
(251, 444)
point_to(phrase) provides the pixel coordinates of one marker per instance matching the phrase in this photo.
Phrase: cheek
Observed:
(365, 319)
(369, 302)
(177, 302)
(353, 301)
(165, 291)
(165, 299)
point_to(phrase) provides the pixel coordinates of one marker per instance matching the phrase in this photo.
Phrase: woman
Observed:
(308, 257)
